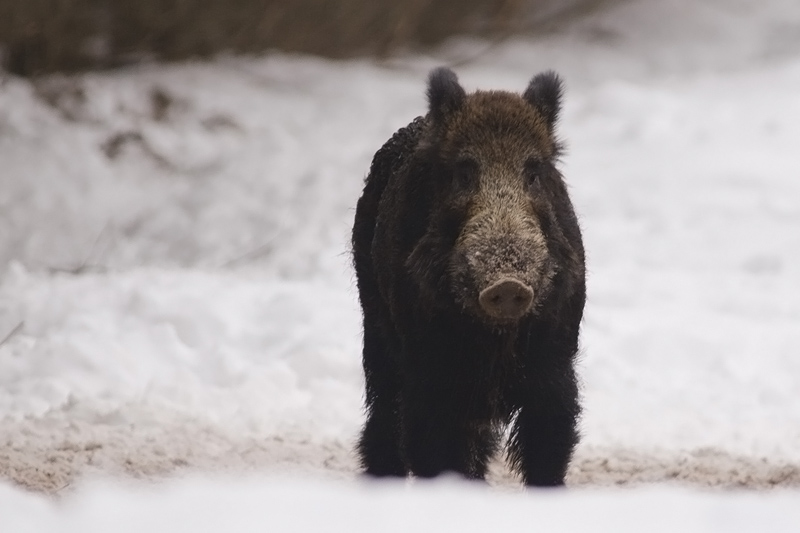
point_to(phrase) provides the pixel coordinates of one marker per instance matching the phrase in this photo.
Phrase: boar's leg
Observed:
(434, 442)
(544, 434)
(379, 446)
(435, 446)
(441, 430)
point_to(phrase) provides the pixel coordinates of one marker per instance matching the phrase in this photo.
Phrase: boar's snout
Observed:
(507, 299)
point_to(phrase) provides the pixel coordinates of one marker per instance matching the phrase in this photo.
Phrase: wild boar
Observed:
(471, 276)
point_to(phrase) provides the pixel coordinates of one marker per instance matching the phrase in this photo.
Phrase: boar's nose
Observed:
(507, 299)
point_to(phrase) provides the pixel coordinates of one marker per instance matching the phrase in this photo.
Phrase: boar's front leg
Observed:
(445, 423)
(437, 438)
(544, 434)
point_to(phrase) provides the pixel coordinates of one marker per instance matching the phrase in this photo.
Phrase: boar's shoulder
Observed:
(395, 153)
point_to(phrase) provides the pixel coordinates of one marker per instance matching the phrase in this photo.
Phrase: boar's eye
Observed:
(465, 173)
(534, 171)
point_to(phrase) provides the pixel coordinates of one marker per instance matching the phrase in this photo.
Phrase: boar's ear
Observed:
(544, 93)
(445, 95)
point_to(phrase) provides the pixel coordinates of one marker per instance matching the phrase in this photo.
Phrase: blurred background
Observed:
(40, 36)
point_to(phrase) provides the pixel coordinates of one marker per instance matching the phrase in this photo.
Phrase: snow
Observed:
(292, 505)
(177, 303)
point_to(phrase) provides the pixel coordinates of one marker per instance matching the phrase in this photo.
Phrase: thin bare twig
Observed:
(255, 253)
(262, 250)
(13, 332)
(84, 266)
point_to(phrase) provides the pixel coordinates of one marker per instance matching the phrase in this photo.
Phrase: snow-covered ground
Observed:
(176, 295)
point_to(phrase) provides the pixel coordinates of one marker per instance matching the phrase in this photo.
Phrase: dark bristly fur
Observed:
(458, 203)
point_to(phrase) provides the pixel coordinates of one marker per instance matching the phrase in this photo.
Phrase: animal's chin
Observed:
(503, 324)
(496, 326)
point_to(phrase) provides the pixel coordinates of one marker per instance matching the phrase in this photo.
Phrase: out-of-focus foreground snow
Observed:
(176, 295)
(279, 504)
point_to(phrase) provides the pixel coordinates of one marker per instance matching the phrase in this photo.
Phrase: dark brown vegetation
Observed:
(39, 36)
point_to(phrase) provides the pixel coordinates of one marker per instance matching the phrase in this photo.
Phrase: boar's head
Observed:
(492, 243)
